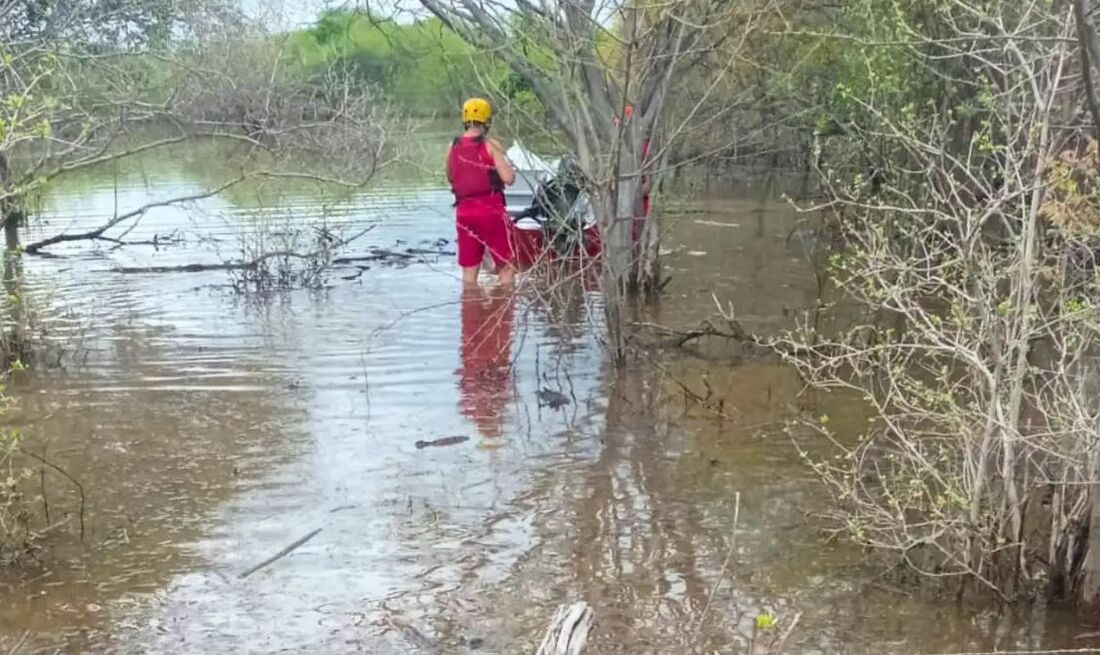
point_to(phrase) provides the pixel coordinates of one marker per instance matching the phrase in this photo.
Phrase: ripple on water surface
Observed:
(209, 433)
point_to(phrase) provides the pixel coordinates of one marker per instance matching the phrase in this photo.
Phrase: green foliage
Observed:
(868, 70)
(422, 67)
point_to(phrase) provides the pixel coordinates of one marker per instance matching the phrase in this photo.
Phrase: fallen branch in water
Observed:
(443, 441)
(728, 327)
(281, 554)
(382, 253)
(184, 268)
(253, 264)
(731, 329)
(97, 234)
(679, 338)
(568, 633)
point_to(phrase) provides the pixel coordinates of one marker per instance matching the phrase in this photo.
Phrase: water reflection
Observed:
(486, 372)
(209, 436)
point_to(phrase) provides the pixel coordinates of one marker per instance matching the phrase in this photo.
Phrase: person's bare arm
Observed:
(500, 160)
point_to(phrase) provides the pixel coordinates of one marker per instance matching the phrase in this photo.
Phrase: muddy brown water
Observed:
(210, 431)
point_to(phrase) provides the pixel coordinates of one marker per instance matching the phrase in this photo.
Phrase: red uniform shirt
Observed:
(481, 218)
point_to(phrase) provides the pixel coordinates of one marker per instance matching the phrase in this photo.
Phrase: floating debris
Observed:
(552, 399)
(444, 441)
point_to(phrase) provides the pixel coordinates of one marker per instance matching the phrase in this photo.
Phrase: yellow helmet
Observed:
(477, 110)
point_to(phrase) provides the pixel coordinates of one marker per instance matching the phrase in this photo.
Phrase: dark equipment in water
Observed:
(555, 207)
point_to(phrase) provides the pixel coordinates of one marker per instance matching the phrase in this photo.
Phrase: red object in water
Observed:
(530, 246)
(527, 242)
(484, 380)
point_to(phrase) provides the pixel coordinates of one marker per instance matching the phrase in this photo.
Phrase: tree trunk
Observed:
(1090, 583)
(12, 218)
(1088, 591)
(10, 212)
(647, 268)
(616, 265)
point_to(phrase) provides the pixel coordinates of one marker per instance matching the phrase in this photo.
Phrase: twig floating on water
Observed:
(445, 441)
(281, 554)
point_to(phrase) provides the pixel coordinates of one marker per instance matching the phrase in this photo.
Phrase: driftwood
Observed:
(376, 255)
(97, 234)
(552, 399)
(281, 554)
(673, 338)
(443, 441)
(568, 634)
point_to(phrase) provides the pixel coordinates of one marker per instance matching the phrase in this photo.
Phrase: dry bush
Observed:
(978, 343)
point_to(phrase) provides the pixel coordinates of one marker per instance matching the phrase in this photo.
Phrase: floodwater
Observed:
(210, 430)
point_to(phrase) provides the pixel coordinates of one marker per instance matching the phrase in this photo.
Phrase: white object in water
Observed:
(531, 170)
(528, 224)
(717, 224)
(527, 161)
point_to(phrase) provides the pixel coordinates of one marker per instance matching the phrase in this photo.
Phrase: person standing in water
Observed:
(478, 171)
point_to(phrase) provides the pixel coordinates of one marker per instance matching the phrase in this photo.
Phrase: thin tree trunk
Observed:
(648, 267)
(1089, 591)
(1087, 45)
(1089, 586)
(10, 213)
(11, 229)
(616, 263)
(14, 339)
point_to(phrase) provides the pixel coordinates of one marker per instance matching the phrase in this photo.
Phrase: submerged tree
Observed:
(91, 82)
(972, 244)
(603, 72)
(96, 82)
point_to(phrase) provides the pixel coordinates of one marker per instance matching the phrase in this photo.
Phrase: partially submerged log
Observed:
(568, 634)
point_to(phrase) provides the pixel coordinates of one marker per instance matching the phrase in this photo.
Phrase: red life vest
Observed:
(471, 170)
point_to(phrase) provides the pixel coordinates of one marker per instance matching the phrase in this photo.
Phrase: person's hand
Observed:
(500, 160)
